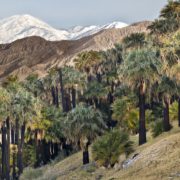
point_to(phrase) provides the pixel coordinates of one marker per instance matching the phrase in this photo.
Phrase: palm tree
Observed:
(12, 86)
(158, 27)
(52, 79)
(173, 111)
(111, 60)
(104, 86)
(88, 62)
(24, 108)
(34, 85)
(134, 40)
(124, 112)
(171, 10)
(107, 149)
(74, 81)
(5, 101)
(175, 74)
(53, 126)
(95, 92)
(140, 69)
(167, 88)
(169, 20)
(46, 131)
(62, 90)
(82, 125)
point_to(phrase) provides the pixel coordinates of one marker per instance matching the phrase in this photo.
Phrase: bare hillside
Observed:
(159, 159)
(36, 55)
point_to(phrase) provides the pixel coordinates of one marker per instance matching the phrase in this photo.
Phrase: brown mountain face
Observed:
(36, 55)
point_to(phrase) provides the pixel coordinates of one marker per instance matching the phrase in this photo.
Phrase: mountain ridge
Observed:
(21, 26)
(36, 55)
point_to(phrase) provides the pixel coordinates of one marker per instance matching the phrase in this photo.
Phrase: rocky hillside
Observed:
(158, 159)
(36, 55)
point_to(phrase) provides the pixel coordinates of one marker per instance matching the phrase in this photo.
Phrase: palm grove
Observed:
(106, 97)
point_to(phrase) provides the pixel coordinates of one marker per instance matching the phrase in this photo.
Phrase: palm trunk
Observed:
(179, 112)
(86, 155)
(20, 150)
(67, 106)
(52, 150)
(62, 90)
(37, 163)
(73, 92)
(47, 152)
(14, 155)
(53, 93)
(110, 98)
(64, 147)
(96, 102)
(14, 166)
(44, 157)
(1, 165)
(16, 137)
(98, 77)
(56, 149)
(3, 149)
(142, 122)
(166, 123)
(17, 131)
(57, 97)
(89, 78)
(8, 148)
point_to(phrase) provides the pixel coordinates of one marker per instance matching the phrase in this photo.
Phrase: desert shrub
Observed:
(31, 174)
(127, 115)
(107, 149)
(29, 155)
(157, 128)
(173, 111)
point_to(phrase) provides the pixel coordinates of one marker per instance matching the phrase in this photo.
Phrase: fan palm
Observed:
(5, 101)
(140, 70)
(134, 40)
(34, 85)
(107, 149)
(175, 74)
(173, 111)
(95, 91)
(169, 19)
(74, 81)
(46, 131)
(167, 88)
(24, 106)
(88, 62)
(82, 125)
(52, 79)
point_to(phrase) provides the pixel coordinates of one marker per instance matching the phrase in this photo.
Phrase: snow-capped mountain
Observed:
(21, 26)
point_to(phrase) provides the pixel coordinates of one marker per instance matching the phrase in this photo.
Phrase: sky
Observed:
(69, 13)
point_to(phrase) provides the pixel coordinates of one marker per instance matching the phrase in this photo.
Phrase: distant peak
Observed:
(25, 25)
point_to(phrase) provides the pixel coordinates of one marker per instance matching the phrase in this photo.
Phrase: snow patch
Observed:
(21, 26)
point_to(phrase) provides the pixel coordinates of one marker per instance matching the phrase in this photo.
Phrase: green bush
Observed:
(173, 111)
(107, 149)
(29, 155)
(31, 174)
(157, 128)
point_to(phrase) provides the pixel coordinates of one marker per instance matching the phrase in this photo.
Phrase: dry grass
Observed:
(159, 159)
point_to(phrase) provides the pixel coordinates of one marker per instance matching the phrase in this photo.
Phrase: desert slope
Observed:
(36, 55)
(158, 159)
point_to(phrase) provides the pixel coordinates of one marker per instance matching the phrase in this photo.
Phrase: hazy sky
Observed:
(67, 13)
